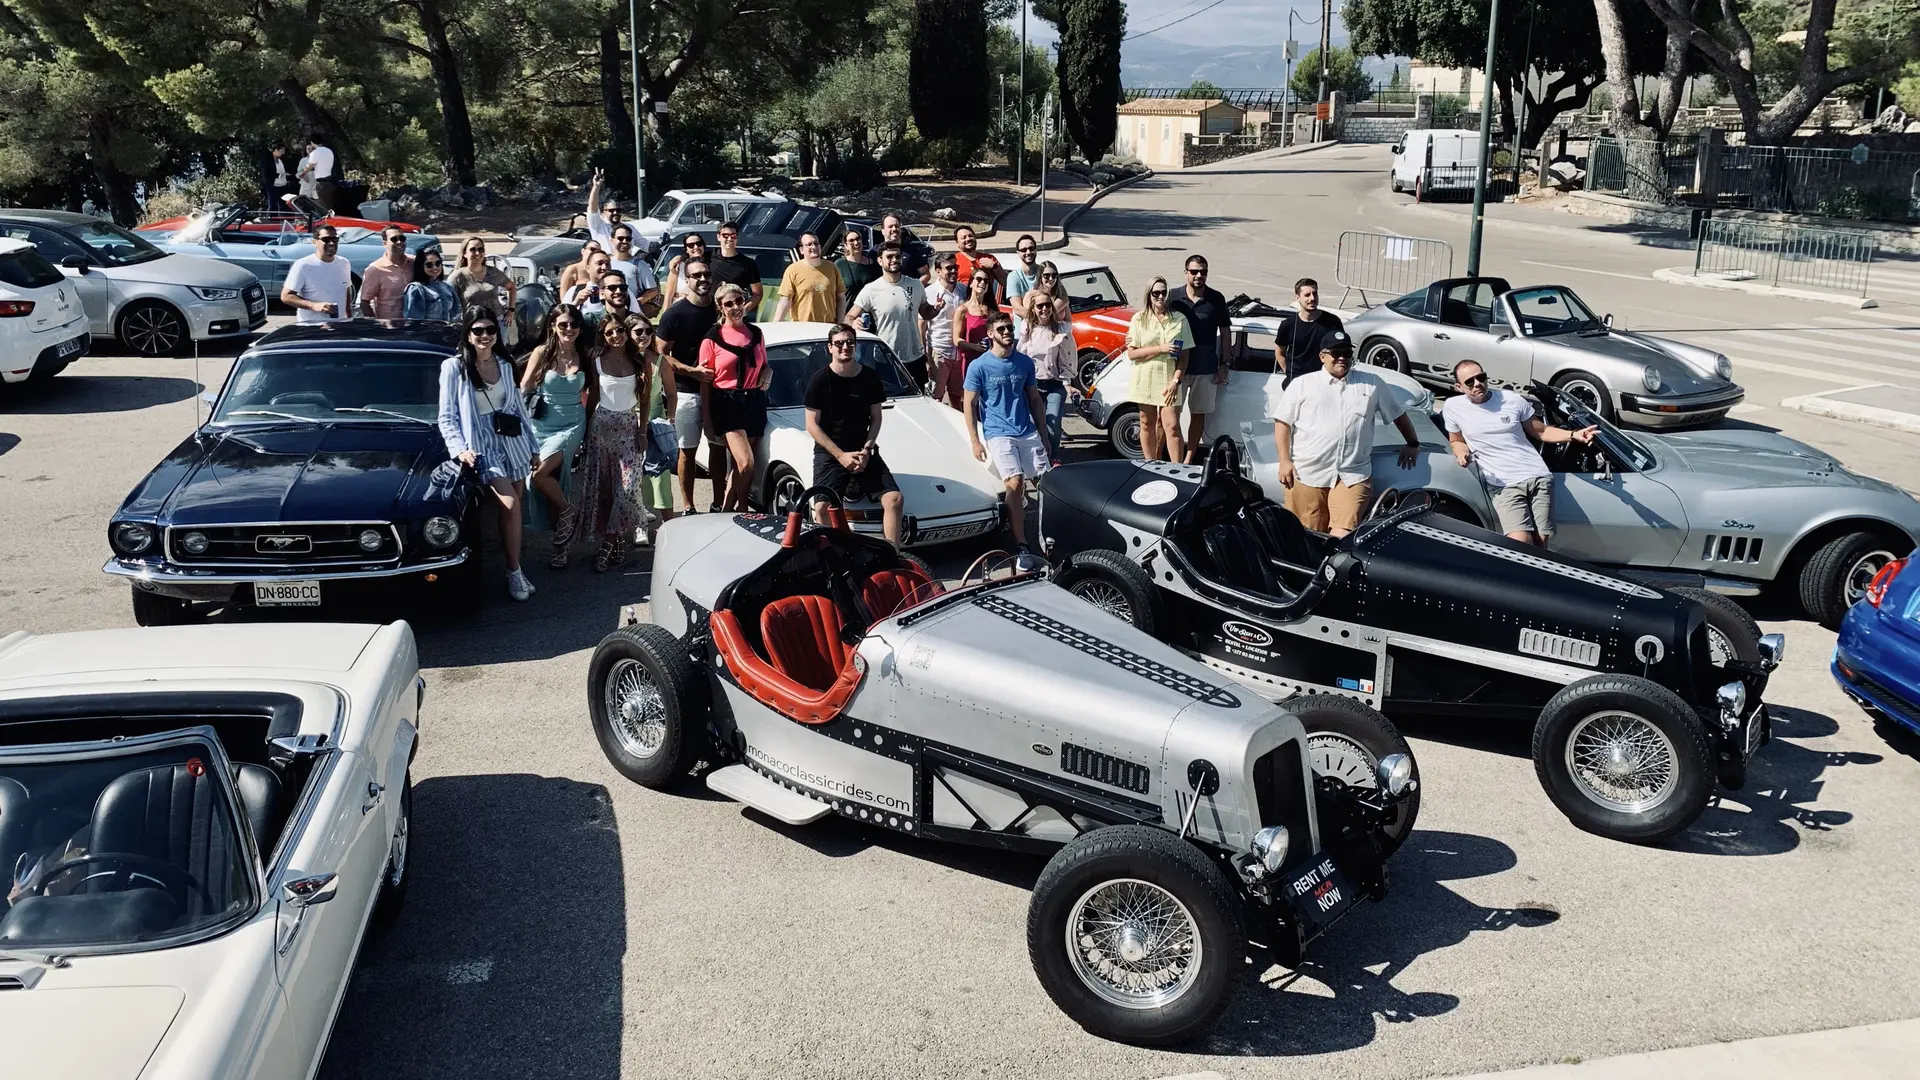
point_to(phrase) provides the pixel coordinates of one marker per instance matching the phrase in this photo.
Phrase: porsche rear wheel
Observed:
(1123, 431)
(647, 706)
(1731, 632)
(1624, 757)
(1135, 935)
(1383, 352)
(783, 488)
(1113, 583)
(1346, 739)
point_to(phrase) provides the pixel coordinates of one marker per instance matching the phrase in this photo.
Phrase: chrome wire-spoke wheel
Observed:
(637, 712)
(1343, 759)
(1622, 761)
(1106, 596)
(1862, 572)
(1134, 944)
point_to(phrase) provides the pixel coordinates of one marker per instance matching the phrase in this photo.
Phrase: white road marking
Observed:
(1588, 270)
(468, 972)
(1798, 372)
(1745, 408)
(1827, 339)
(1089, 241)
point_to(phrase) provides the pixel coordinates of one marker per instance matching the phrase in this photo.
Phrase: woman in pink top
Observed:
(970, 330)
(735, 402)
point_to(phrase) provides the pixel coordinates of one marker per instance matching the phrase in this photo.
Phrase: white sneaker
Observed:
(518, 586)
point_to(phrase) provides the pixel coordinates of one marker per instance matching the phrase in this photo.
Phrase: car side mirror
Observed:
(1608, 320)
(210, 396)
(77, 262)
(311, 889)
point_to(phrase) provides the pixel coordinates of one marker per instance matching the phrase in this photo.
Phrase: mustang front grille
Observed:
(1721, 547)
(285, 544)
(1105, 768)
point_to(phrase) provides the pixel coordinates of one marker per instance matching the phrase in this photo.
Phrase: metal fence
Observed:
(1833, 259)
(1860, 184)
(1367, 262)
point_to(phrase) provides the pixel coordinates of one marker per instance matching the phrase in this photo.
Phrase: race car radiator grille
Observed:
(1557, 647)
(1104, 768)
(1281, 789)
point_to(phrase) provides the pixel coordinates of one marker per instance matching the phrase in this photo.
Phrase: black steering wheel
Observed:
(126, 865)
(1224, 455)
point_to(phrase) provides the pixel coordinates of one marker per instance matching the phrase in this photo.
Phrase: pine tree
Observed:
(947, 79)
(1090, 36)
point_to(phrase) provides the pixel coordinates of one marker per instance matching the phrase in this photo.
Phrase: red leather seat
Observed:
(891, 591)
(802, 635)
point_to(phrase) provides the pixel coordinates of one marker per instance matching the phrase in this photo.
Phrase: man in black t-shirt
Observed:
(681, 329)
(732, 268)
(844, 402)
(1296, 345)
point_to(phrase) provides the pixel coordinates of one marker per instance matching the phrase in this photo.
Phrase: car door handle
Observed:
(374, 794)
(1443, 337)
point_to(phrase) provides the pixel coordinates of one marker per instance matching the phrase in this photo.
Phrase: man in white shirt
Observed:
(1489, 428)
(640, 277)
(321, 158)
(897, 303)
(602, 215)
(1323, 437)
(317, 284)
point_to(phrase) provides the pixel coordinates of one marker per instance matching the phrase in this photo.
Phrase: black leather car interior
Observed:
(16, 823)
(1234, 558)
(262, 801)
(1281, 536)
(170, 813)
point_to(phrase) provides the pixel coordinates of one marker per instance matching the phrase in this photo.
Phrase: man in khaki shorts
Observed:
(1491, 428)
(1323, 436)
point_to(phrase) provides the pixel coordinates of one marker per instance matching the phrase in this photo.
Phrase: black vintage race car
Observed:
(1641, 698)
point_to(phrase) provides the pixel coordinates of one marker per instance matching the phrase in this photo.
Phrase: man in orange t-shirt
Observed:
(383, 284)
(970, 254)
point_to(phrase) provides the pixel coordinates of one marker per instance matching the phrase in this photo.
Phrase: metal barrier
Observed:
(1376, 262)
(1460, 180)
(1835, 259)
(1859, 183)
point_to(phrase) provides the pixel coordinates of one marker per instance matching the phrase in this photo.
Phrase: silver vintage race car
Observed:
(1544, 332)
(825, 673)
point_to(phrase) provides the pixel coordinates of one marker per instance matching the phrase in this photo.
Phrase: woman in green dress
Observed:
(1158, 343)
(555, 386)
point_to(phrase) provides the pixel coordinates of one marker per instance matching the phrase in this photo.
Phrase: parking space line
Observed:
(1589, 270)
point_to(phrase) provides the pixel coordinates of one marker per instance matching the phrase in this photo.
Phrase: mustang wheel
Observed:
(152, 328)
(1587, 390)
(1346, 740)
(1113, 583)
(1731, 632)
(1123, 431)
(1837, 575)
(152, 609)
(1624, 757)
(647, 705)
(393, 880)
(1135, 934)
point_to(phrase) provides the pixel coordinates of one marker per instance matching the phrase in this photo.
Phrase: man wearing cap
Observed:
(1323, 438)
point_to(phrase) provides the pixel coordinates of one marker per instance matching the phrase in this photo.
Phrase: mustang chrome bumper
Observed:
(191, 584)
(1659, 412)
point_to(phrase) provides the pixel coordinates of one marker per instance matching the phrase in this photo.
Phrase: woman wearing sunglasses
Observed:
(612, 484)
(970, 332)
(484, 424)
(736, 402)
(1047, 337)
(554, 390)
(1158, 343)
(428, 295)
(479, 285)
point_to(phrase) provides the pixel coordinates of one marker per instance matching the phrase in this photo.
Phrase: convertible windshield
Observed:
(362, 385)
(794, 364)
(113, 245)
(1544, 312)
(1091, 290)
(665, 209)
(1622, 446)
(114, 846)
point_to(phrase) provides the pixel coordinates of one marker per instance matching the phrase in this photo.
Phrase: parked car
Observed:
(43, 326)
(301, 215)
(709, 206)
(320, 473)
(1877, 659)
(220, 234)
(1428, 160)
(1101, 313)
(823, 672)
(535, 265)
(1635, 716)
(1545, 332)
(948, 495)
(155, 302)
(198, 836)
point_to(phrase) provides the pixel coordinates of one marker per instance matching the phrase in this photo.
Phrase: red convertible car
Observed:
(300, 219)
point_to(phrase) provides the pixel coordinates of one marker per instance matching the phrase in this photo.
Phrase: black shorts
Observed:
(918, 369)
(740, 410)
(867, 485)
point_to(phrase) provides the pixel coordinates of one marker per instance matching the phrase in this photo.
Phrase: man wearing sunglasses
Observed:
(1489, 428)
(602, 214)
(1003, 402)
(685, 324)
(844, 409)
(638, 274)
(317, 284)
(1323, 436)
(1025, 276)
(897, 304)
(1206, 313)
(383, 284)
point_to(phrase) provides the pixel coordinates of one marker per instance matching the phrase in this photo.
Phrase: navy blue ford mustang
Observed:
(320, 470)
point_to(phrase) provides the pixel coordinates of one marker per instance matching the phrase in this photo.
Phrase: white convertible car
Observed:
(197, 825)
(948, 495)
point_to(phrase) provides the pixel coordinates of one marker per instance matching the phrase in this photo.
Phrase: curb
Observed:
(993, 226)
(1681, 276)
(1275, 152)
(1822, 404)
(1073, 214)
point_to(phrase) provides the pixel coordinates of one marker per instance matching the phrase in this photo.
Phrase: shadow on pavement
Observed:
(571, 609)
(1784, 780)
(489, 989)
(71, 394)
(1139, 221)
(8, 441)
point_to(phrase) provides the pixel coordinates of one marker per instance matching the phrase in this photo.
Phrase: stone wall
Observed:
(1374, 129)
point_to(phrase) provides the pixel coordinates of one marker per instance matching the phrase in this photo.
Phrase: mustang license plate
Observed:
(1320, 894)
(286, 593)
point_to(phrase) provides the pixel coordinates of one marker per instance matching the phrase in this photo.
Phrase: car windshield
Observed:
(390, 386)
(118, 844)
(665, 209)
(113, 245)
(1553, 310)
(1624, 448)
(795, 363)
(1091, 290)
(197, 227)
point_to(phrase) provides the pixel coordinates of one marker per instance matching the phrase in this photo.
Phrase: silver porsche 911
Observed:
(1545, 332)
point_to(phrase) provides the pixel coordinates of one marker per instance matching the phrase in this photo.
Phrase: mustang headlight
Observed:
(194, 543)
(369, 539)
(1650, 378)
(1270, 847)
(1732, 699)
(1395, 773)
(1723, 367)
(441, 532)
(206, 293)
(131, 537)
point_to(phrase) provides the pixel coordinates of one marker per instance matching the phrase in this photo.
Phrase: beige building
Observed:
(1154, 130)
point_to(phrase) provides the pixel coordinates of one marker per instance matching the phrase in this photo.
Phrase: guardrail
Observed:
(1367, 262)
(1835, 259)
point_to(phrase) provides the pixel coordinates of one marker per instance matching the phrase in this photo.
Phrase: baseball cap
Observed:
(1337, 343)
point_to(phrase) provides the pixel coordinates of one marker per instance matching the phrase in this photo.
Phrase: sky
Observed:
(1237, 22)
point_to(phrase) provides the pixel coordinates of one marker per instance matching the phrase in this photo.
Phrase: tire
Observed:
(1090, 361)
(1346, 740)
(1660, 722)
(1393, 182)
(650, 751)
(152, 609)
(1151, 866)
(1589, 390)
(393, 878)
(1836, 575)
(153, 328)
(1123, 432)
(1731, 631)
(1386, 353)
(1113, 583)
(781, 483)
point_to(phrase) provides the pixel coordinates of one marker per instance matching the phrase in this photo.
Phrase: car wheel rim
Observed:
(1088, 369)
(1719, 646)
(1134, 944)
(1130, 435)
(786, 494)
(1383, 356)
(397, 862)
(152, 331)
(1622, 762)
(1862, 572)
(1587, 394)
(637, 712)
(1106, 596)
(1343, 759)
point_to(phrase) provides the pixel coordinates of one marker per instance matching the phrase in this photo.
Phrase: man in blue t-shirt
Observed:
(1002, 397)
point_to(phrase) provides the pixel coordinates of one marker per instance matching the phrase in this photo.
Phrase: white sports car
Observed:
(948, 495)
(197, 824)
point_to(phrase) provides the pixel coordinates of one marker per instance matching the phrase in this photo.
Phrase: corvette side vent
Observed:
(1725, 548)
(1557, 647)
(1104, 768)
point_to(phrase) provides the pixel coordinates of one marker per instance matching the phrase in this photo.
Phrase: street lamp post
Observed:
(1020, 151)
(1486, 135)
(639, 165)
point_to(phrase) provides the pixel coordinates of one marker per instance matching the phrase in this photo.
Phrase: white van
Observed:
(1451, 155)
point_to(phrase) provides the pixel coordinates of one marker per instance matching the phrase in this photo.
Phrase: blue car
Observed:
(267, 246)
(1877, 661)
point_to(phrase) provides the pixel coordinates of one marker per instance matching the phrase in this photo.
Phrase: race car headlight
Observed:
(1723, 367)
(1773, 649)
(131, 537)
(441, 532)
(1650, 378)
(369, 540)
(205, 293)
(1395, 773)
(1270, 847)
(194, 543)
(1732, 699)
